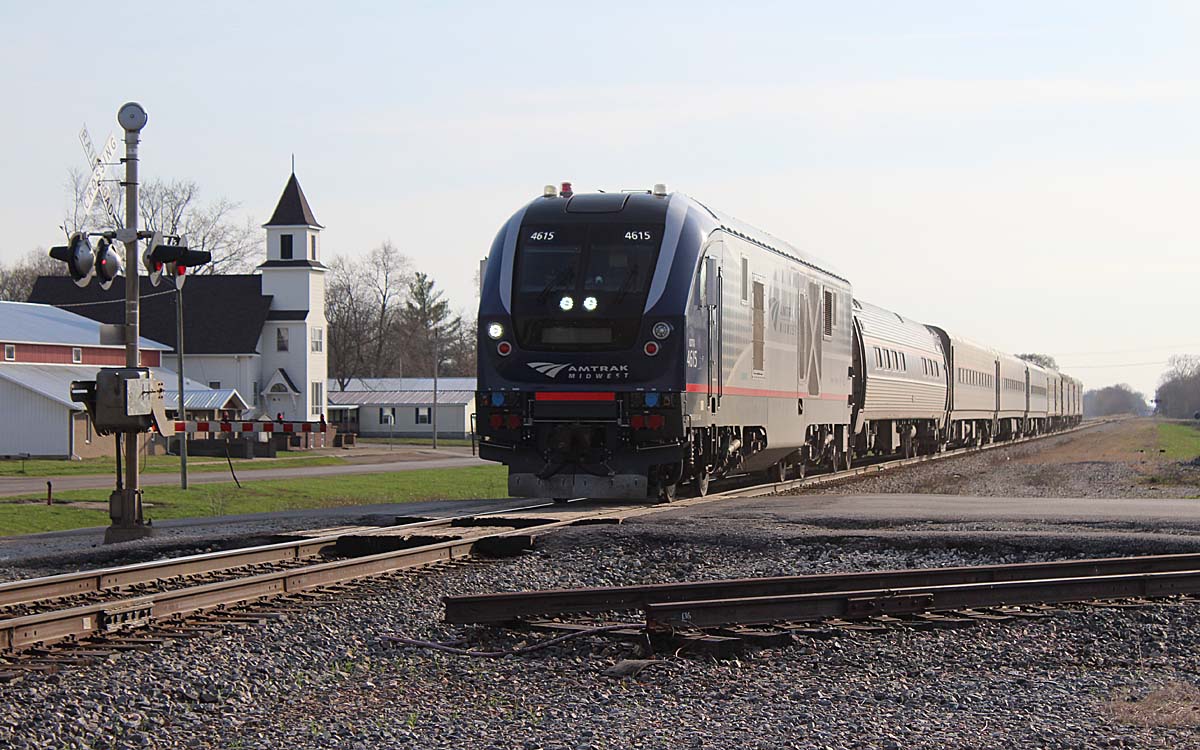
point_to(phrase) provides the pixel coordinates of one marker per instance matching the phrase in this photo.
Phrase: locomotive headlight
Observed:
(495, 331)
(566, 303)
(661, 330)
(589, 303)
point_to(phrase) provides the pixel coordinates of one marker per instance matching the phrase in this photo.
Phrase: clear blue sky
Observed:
(1023, 173)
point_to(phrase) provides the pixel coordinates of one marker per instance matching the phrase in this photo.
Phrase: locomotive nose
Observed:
(571, 442)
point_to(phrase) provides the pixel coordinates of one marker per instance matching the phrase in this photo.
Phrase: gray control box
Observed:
(123, 399)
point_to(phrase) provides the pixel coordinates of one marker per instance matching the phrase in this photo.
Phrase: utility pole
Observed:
(437, 361)
(125, 507)
(183, 437)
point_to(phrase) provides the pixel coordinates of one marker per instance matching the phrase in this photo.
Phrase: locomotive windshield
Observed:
(582, 286)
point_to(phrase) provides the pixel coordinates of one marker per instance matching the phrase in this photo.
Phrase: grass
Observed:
(1176, 704)
(1179, 440)
(48, 467)
(30, 514)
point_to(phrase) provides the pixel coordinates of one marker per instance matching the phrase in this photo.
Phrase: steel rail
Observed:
(504, 607)
(102, 579)
(868, 603)
(54, 626)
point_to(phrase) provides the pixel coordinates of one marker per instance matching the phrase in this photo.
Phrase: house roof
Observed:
(400, 398)
(206, 399)
(404, 384)
(31, 323)
(293, 209)
(221, 314)
(54, 382)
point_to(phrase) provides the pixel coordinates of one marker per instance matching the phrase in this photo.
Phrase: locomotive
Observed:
(632, 343)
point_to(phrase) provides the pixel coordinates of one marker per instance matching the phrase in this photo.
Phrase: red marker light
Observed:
(504, 348)
(637, 421)
(651, 348)
(514, 421)
(655, 421)
(180, 270)
(496, 421)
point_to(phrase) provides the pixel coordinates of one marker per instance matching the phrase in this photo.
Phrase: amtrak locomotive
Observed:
(630, 343)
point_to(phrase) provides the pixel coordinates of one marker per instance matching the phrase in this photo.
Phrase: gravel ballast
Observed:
(324, 677)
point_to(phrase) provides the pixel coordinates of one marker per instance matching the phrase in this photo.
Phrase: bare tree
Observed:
(174, 208)
(1114, 399)
(364, 299)
(1178, 393)
(16, 280)
(1041, 360)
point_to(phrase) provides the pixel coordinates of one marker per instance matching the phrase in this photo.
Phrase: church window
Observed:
(285, 246)
(318, 339)
(254, 393)
(281, 339)
(313, 242)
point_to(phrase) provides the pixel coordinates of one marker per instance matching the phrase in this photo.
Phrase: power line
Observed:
(1124, 364)
(112, 301)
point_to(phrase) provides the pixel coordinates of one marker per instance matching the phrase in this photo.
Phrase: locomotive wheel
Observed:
(702, 479)
(666, 493)
(779, 471)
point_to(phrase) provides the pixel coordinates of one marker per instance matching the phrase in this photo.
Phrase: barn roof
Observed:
(29, 323)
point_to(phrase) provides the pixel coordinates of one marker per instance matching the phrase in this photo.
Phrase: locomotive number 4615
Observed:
(637, 235)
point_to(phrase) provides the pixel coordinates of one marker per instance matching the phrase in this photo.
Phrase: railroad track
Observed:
(105, 606)
(722, 615)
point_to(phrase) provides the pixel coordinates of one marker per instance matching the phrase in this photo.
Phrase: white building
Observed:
(44, 350)
(403, 407)
(261, 334)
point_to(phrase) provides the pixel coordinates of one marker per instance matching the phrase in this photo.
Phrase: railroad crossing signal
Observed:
(77, 254)
(175, 260)
(83, 262)
(108, 262)
(154, 268)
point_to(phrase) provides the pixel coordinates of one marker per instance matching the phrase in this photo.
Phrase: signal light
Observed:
(77, 254)
(504, 348)
(514, 421)
(661, 330)
(566, 304)
(654, 421)
(108, 262)
(495, 331)
(651, 348)
(637, 421)
(496, 421)
(179, 257)
(589, 303)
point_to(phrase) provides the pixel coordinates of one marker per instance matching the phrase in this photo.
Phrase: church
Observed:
(263, 334)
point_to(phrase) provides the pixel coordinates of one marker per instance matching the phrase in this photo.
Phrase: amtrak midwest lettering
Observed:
(582, 372)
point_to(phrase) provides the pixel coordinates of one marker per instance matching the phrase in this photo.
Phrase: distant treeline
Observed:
(1178, 394)
(1114, 399)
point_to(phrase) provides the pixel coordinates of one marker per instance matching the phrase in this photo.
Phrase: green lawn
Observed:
(44, 467)
(1180, 440)
(20, 516)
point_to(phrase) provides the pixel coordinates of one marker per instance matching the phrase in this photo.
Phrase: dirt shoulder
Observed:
(1120, 459)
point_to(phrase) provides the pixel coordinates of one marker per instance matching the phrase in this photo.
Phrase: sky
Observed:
(1023, 174)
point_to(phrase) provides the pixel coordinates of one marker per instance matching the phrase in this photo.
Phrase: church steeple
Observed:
(293, 209)
(293, 231)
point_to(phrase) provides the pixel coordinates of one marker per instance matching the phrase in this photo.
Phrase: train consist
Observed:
(630, 343)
